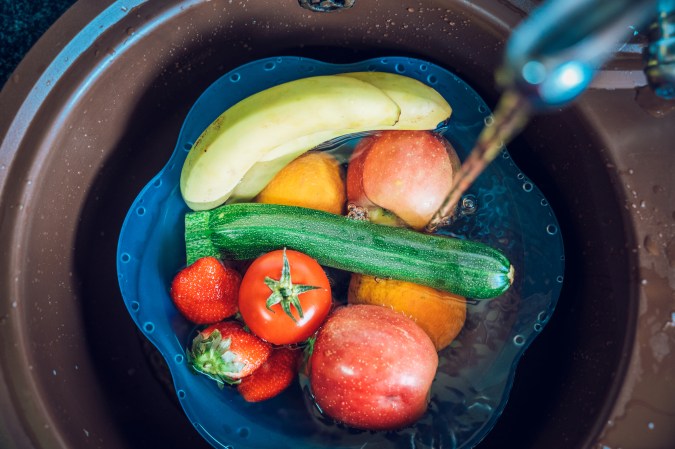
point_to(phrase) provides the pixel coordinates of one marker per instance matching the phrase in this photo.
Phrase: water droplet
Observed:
(527, 186)
(181, 394)
(135, 306)
(179, 358)
(411, 9)
(520, 176)
(650, 426)
(552, 229)
(235, 77)
(125, 257)
(559, 279)
(537, 327)
(519, 340)
(269, 66)
(431, 79)
(651, 246)
(482, 108)
(140, 211)
(423, 67)
(149, 327)
(543, 202)
(670, 253)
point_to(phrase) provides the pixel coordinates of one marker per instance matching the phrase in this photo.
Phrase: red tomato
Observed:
(283, 322)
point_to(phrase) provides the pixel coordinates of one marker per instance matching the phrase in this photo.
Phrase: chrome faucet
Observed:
(552, 56)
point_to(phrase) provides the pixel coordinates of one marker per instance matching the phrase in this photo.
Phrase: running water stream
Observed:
(510, 117)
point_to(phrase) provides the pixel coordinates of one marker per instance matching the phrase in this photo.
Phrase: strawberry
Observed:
(206, 291)
(273, 377)
(226, 352)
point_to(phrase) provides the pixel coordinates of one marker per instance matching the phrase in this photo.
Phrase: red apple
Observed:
(406, 172)
(372, 368)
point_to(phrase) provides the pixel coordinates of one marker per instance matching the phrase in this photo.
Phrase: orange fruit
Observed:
(440, 314)
(314, 180)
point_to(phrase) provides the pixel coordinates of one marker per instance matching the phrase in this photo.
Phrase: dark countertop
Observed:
(22, 22)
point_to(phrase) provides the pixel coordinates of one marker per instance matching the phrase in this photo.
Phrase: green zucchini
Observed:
(248, 230)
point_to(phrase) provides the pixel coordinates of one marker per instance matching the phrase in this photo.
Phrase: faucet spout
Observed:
(553, 55)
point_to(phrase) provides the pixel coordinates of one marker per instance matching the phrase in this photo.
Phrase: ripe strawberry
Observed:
(226, 352)
(273, 377)
(206, 291)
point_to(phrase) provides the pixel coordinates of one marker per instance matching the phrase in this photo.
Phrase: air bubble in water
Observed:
(468, 205)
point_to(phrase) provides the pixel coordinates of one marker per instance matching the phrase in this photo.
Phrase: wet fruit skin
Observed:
(240, 354)
(273, 324)
(372, 368)
(206, 291)
(406, 172)
(441, 314)
(273, 376)
(314, 180)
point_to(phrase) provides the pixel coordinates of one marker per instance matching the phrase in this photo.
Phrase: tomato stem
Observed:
(284, 292)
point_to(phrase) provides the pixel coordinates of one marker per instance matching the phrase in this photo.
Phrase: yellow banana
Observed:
(247, 131)
(422, 107)
(258, 176)
(242, 150)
